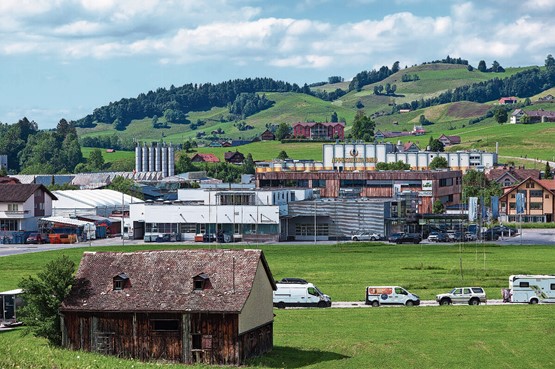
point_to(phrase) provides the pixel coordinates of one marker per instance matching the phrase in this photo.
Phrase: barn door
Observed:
(104, 342)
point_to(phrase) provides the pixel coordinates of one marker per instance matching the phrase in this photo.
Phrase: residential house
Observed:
(205, 158)
(508, 100)
(449, 140)
(409, 147)
(548, 98)
(319, 131)
(508, 176)
(531, 116)
(234, 157)
(418, 131)
(190, 306)
(215, 144)
(22, 205)
(267, 135)
(538, 206)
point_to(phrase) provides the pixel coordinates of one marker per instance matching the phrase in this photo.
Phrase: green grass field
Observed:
(506, 336)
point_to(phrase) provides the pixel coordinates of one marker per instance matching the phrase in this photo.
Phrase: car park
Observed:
(408, 238)
(463, 295)
(366, 236)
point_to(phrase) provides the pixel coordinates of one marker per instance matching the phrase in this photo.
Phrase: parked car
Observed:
(409, 238)
(503, 230)
(36, 238)
(394, 236)
(469, 236)
(463, 295)
(366, 236)
(488, 236)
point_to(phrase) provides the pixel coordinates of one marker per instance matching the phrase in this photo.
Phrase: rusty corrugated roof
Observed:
(163, 281)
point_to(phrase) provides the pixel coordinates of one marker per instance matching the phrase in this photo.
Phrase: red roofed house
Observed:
(449, 140)
(189, 306)
(509, 176)
(205, 158)
(539, 205)
(508, 100)
(315, 131)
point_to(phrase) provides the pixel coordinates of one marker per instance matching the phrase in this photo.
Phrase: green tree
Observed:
(501, 115)
(43, 296)
(334, 118)
(184, 164)
(439, 162)
(155, 121)
(363, 126)
(119, 124)
(437, 207)
(248, 165)
(436, 145)
(482, 66)
(476, 184)
(125, 185)
(282, 131)
(96, 160)
(283, 155)
(547, 171)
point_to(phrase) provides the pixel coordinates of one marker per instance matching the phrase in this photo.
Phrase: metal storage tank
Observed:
(145, 158)
(171, 160)
(164, 161)
(138, 159)
(151, 157)
(157, 166)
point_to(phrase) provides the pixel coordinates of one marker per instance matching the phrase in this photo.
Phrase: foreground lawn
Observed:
(343, 270)
(421, 337)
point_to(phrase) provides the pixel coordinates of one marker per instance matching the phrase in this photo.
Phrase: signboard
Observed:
(425, 193)
(426, 185)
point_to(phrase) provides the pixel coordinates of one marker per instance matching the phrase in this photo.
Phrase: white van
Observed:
(300, 294)
(390, 295)
(531, 289)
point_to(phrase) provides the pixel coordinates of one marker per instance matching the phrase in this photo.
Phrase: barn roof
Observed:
(163, 281)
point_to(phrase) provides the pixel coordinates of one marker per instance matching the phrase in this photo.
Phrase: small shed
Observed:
(190, 306)
(10, 301)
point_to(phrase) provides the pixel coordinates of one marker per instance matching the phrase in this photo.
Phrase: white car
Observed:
(367, 236)
(463, 295)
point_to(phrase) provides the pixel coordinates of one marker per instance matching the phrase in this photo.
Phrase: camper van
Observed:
(301, 294)
(390, 295)
(531, 289)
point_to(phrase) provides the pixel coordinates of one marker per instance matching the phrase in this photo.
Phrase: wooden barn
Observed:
(190, 306)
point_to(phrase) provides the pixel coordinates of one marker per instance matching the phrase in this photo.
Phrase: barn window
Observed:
(201, 282)
(197, 341)
(120, 281)
(165, 325)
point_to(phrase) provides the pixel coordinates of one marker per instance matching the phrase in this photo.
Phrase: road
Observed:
(423, 303)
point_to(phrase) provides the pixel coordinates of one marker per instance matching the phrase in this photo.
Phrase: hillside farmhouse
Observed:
(449, 140)
(532, 116)
(205, 158)
(190, 306)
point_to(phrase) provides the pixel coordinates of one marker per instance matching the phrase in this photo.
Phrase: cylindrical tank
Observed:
(309, 167)
(164, 161)
(299, 166)
(138, 159)
(171, 160)
(277, 167)
(152, 157)
(145, 158)
(158, 165)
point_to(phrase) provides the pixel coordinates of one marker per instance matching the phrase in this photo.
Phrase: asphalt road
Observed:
(423, 303)
(528, 237)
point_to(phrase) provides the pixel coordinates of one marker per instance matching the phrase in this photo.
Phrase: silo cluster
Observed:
(158, 157)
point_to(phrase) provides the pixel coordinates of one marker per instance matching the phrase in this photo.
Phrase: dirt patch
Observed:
(466, 109)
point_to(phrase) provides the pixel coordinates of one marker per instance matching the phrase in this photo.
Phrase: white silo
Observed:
(164, 161)
(151, 157)
(138, 158)
(145, 158)
(158, 167)
(171, 160)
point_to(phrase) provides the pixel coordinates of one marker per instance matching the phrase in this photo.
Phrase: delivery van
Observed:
(390, 295)
(299, 294)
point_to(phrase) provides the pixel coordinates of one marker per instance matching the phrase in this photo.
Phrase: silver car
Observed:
(463, 295)
(366, 236)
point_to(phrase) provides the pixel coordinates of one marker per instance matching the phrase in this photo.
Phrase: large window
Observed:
(536, 193)
(161, 227)
(236, 199)
(308, 230)
(13, 207)
(536, 205)
(188, 228)
(8, 225)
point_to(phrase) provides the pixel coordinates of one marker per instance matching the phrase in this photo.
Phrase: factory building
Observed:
(158, 157)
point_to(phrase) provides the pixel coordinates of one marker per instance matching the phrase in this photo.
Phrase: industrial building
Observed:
(364, 156)
(158, 157)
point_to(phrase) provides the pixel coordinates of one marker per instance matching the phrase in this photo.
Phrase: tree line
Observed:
(523, 84)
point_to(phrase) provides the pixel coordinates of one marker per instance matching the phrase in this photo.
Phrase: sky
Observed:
(64, 58)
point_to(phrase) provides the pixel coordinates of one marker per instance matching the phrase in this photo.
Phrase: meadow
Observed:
(508, 336)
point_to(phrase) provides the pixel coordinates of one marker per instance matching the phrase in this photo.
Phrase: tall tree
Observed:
(436, 145)
(282, 131)
(334, 118)
(363, 127)
(482, 66)
(501, 116)
(438, 207)
(547, 171)
(248, 164)
(282, 155)
(43, 296)
(439, 162)
(96, 160)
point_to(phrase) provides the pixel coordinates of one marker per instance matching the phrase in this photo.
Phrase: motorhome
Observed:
(531, 289)
(302, 294)
(390, 295)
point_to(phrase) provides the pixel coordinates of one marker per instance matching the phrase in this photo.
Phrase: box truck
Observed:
(531, 289)
(390, 295)
(301, 294)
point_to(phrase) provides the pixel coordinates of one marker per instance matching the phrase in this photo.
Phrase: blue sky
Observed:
(63, 58)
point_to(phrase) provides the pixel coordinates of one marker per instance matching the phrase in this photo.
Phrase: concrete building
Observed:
(241, 214)
(364, 156)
